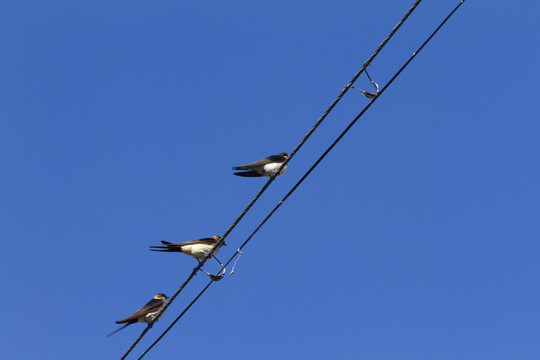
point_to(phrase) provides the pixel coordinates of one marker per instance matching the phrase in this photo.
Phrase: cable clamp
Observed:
(215, 277)
(368, 94)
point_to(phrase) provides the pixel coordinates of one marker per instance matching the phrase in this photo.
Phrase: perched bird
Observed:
(266, 167)
(197, 249)
(148, 313)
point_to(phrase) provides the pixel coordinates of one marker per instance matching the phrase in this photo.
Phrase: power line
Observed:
(176, 320)
(351, 124)
(295, 150)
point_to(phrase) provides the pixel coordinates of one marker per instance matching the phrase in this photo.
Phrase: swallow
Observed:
(149, 313)
(197, 249)
(266, 167)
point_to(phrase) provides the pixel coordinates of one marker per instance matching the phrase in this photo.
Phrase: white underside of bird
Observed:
(199, 251)
(271, 169)
(151, 317)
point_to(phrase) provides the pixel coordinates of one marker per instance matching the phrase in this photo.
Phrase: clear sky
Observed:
(416, 238)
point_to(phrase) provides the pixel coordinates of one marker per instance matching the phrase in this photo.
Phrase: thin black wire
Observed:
(295, 150)
(351, 124)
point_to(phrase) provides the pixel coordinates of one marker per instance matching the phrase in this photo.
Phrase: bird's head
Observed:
(217, 238)
(161, 296)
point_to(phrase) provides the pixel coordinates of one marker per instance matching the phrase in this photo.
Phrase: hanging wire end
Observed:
(239, 252)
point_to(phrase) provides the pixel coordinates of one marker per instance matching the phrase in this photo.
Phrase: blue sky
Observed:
(416, 238)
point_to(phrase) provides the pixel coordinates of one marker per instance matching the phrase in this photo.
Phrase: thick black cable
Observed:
(316, 125)
(351, 124)
(295, 150)
(176, 320)
(136, 342)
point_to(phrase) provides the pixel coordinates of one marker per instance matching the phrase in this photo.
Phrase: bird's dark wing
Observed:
(254, 165)
(150, 307)
(250, 173)
(169, 246)
(117, 330)
(275, 158)
(205, 241)
(259, 164)
(177, 247)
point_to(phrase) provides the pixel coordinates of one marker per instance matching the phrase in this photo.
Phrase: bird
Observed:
(149, 313)
(197, 249)
(266, 167)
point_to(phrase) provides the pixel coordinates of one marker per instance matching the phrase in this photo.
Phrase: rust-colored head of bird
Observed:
(160, 296)
(217, 238)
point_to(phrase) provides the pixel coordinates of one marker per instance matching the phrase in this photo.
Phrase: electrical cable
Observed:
(295, 150)
(351, 124)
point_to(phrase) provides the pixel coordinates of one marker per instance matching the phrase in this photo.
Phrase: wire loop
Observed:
(368, 94)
